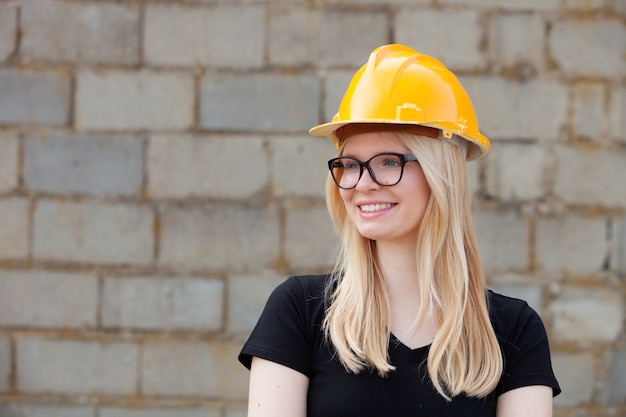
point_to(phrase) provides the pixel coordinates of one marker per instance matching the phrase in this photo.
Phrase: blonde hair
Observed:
(465, 356)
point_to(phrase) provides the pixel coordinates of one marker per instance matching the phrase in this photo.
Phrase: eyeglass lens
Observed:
(385, 169)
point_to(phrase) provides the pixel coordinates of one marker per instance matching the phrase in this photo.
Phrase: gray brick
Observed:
(289, 36)
(505, 4)
(531, 293)
(193, 369)
(429, 32)
(198, 166)
(28, 410)
(202, 31)
(134, 100)
(516, 172)
(597, 174)
(251, 2)
(162, 303)
(376, 2)
(335, 86)
(619, 242)
(592, 314)
(76, 366)
(614, 391)
(507, 110)
(341, 40)
(55, 299)
(516, 39)
(589, 115)
(575, 374)
(503, 239)
(5, 364)
(299, 165)
(158, 412)
(473, 176)
(91, 232)
(260, 102)
(584, 4)
(589, 47)
(237, 412)
(14, 228)
(70, 32)
(571, 243)
(34, 97)
(219, 237)
(617, 112)
(8, 30)
(9, 162)
(83, 164)
(247, 297)
(310, 240)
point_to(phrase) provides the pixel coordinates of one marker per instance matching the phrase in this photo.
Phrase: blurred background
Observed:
(157, 181)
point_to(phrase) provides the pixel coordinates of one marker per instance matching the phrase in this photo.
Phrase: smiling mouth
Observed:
(371, 208)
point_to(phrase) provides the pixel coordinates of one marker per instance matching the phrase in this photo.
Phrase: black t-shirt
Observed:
(289, 333)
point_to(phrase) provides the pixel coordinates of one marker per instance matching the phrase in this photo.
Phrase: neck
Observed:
(399, 267)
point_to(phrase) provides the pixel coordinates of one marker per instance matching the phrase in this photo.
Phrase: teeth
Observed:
(375, 207)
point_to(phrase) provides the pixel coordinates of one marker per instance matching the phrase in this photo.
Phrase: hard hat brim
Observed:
(478, 143)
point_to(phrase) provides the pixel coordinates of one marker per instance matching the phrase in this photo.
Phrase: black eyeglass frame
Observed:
(362, 165)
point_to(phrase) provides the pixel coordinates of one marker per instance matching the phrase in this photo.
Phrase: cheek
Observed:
(346, 196)
(421, 183)
(425, 189)
(346, 199)
(416, 190)
(423, 196)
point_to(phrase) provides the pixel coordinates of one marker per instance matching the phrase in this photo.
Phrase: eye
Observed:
(392, 162)
(351, 165)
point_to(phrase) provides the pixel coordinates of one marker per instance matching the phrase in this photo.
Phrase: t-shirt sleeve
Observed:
(281, 335)
(526, 350)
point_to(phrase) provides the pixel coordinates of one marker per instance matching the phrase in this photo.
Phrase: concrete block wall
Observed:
(157, 182)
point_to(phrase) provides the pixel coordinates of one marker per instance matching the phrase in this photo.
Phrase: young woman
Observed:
(404, 326)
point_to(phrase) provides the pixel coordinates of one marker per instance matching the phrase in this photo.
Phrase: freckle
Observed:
(258, 404)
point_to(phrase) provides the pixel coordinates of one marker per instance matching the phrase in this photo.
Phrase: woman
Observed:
(404, 326)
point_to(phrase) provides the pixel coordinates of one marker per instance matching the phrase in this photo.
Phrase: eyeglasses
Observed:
(385, 169)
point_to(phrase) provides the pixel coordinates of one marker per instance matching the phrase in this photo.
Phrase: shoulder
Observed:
(289, 325)
(306, 287)
(508, 312)
(301, 295)
(524, 342)
(514, 321)
(502, 306)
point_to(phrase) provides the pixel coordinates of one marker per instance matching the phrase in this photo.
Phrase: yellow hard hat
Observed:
(400, 89)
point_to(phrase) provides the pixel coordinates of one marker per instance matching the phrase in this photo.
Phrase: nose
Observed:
(366, 182)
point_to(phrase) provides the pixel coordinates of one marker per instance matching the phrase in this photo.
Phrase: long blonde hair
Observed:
(465, 356)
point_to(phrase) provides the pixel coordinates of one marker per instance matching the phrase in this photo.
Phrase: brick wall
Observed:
(157, 181)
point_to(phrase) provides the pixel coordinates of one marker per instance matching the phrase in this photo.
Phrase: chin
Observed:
(374, 235)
